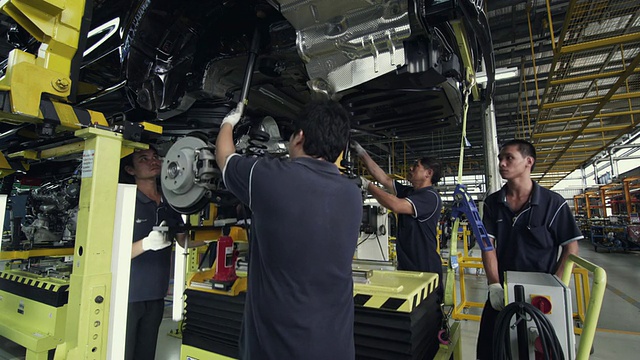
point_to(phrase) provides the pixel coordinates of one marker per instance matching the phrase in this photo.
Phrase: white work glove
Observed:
(365, 183)
(233, 117)
(156, 240)
(496, 296)
(357, 148)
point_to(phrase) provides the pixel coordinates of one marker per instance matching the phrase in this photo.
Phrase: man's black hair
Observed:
(525, 149)
(325, 125)
(124, 177)
(433, 164)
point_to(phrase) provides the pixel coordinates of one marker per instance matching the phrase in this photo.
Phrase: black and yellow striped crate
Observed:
(395, 290)
(397, 316)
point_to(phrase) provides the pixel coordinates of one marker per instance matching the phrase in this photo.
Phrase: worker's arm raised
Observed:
(391, 202)
(224, 143)
(374, 169)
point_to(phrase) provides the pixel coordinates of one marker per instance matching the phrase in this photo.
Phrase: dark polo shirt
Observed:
(416, 244)
(149, 278)
(531, 239)
(305, 226)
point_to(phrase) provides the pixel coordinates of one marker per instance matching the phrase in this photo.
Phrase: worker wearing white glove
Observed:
(156, 240)
(225, 146)
(496, 296)
(365, 183)
(357, 148)
(234, 116)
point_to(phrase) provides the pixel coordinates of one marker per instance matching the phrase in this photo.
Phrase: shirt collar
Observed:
(140, 196)
(317, 164)
(534, 198)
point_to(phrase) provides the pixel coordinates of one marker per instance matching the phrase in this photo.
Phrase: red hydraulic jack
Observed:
(226, 258)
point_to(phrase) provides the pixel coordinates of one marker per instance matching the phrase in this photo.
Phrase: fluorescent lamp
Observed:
(501, 74)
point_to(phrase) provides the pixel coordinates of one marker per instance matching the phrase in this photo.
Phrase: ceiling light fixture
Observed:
(501, 74)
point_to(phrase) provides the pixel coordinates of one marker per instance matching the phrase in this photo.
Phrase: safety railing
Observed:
(594, 301)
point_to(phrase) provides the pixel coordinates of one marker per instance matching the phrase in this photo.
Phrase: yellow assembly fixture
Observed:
(56, 24)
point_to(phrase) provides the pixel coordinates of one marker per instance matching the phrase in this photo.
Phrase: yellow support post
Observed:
(603, 202)
(627, 197)
(90, 282)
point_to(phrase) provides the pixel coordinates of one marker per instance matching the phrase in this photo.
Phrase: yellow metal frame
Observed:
(39, 328)
(594, 302)
(90, 282)
(626, 183)
(26, 254)
(57, 25)
(583, 295)
(555, 133)
(465, 262)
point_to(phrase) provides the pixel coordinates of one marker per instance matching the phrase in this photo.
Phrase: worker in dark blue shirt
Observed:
(150, 254)
(527, 225)
(418, 207)
(305, 225)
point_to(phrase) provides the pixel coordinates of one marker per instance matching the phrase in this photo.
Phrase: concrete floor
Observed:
(617, 337)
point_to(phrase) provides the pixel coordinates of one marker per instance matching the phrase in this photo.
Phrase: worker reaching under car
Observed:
(305, 220)
(418, 208)
(150, 253)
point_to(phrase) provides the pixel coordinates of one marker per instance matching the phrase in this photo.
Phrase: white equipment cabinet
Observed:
(373, 242)
(560, 314)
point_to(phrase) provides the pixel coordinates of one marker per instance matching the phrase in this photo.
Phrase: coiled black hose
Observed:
(502, 339)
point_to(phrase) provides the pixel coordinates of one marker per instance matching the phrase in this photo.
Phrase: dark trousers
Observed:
(484, 349)
(143, 323)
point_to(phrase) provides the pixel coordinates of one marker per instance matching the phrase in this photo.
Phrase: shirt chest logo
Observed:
(140, 221)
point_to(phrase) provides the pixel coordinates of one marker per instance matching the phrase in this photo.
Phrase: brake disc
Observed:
(178, 176)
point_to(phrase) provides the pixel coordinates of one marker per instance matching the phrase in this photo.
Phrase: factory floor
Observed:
(617, 337)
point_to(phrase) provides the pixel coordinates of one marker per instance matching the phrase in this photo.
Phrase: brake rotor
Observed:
(178, 177)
